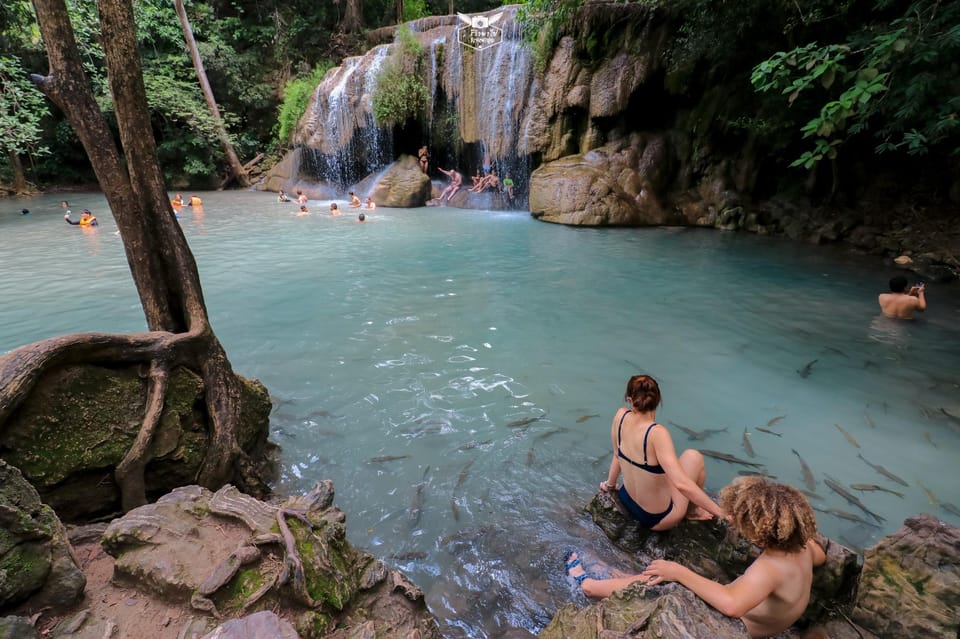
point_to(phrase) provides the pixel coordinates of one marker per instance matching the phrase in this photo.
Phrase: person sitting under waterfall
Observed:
(455, 180)
(508, 187)
(354, 200)
(774, 590)
(476, 180)
(489, 181)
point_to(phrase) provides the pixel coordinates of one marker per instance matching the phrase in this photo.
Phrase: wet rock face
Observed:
(402, 185)
(910, 586)
(77, 424)
(36, 565)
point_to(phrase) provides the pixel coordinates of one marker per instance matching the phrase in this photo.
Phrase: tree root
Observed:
(292, 572)
(129, 473)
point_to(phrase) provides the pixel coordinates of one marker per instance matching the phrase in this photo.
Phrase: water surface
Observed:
(424, 334)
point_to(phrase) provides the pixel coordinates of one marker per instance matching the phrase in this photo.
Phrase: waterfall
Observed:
(491, 90)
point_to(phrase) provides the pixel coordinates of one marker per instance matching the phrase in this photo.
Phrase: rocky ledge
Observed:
(907, 586)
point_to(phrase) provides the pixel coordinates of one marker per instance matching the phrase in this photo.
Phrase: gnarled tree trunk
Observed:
(352, 17)
(160, 260)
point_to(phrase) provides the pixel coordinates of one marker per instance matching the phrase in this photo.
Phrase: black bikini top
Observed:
(656, 470)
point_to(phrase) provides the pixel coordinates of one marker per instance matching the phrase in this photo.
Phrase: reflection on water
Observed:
(455, 372)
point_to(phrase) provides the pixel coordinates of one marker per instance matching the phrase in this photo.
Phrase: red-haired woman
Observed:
(660, 489)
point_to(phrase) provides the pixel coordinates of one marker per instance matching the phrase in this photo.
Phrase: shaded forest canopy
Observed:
(821, 85)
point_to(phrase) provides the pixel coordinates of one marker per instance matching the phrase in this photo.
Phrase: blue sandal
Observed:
(570, 565)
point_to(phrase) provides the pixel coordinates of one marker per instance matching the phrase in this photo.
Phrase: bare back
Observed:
(792, 576)
(650, 490)
(900, 305)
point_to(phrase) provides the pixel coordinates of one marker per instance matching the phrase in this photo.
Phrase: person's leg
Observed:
(597, 588)
(693, 465)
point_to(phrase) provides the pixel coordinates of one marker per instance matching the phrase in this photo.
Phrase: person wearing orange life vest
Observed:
(86, 219)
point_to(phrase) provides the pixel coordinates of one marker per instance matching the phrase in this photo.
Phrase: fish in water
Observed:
(842, 514)
(464, 473)
(866, 416)
(838, 488)
(549, 433)
(454, 509)
(883, 471)
(847, 435)
(584, 418)
(473, 445)
(386, 458)
(775, 420)
(863, 487)
(929, 439)
(756, 473)
(807, 369)
(526, 421)
(810, 494)
(697, 435)
(767, 431)
(808, 478)
(950, 508)
(416, 506)
(837, 351)
(930, 496)
(729, 458)
(747, 446)
(531, 457)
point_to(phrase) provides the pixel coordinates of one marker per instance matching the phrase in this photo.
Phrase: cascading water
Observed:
(480, 101)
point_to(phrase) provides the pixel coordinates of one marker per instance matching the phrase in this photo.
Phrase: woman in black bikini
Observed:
(659, 488)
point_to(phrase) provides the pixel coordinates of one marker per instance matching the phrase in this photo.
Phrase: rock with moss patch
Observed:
(910, 586)
(75, 427)
(229, 554)
(36, 563)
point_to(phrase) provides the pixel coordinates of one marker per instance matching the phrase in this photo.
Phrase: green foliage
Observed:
(296, 96)
(22, 107)
(415, 9)
(895, 77)
(401, 92)
(542, 22)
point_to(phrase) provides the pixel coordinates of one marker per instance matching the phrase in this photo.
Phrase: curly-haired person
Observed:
(774, 590)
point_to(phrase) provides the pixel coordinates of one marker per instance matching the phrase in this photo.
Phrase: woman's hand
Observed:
(607, 487)
(661, 571)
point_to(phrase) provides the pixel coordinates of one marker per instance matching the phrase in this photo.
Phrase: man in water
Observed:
(369, 204)
(900, 303)
(86, 219)
(455, 180)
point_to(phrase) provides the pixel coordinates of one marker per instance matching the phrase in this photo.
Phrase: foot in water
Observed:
(598, 586)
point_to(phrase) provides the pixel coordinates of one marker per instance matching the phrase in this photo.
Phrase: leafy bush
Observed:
(401, 92)
(296, 97)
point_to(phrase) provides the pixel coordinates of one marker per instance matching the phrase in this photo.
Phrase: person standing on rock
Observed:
(900, 303)
(423, 156)
(455, 180)
(774, 590)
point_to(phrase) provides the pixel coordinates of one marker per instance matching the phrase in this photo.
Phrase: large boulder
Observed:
(402, 185)
(617, 184)
(36, 562)
(910, 586)
(229, 554)
(719, 553)
(79, 421)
